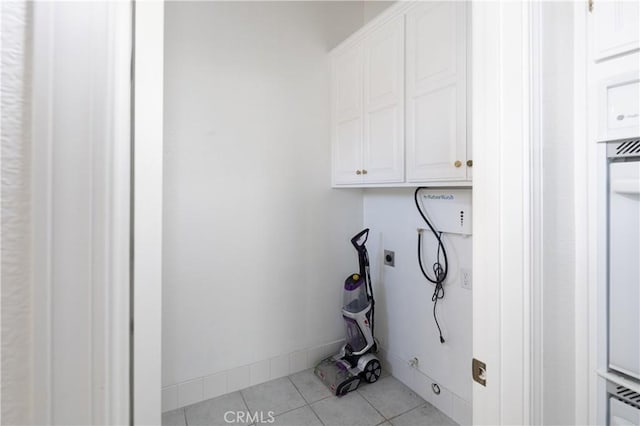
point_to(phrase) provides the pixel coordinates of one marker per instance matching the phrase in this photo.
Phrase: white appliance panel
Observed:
(622, 414)
(619, 107)
(624, 268)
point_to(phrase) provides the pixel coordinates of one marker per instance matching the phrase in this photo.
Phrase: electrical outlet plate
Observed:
(465, 278)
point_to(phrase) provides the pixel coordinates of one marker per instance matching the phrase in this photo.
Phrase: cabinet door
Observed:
(616, 28)
(383, 146)
(346, 120)
(436, 92)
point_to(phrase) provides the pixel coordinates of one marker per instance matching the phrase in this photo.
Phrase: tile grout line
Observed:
(298, 390)
(397, 415)
(405, 412)
(371, 404)
(308, 404)
(322, 399)
(299, 393)
(244, 401)
(424, 401)
(288, 411)
(357, 391)
(184, 413)
(316, 414)
(293, 409)
(297, 408)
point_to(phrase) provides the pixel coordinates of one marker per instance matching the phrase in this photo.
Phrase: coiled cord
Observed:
(440, 271)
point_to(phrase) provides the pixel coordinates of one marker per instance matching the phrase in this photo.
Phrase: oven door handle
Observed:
(626, 186)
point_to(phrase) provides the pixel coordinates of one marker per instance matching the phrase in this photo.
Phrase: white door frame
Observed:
(504, 143)
(506, 181)
(585, 413)
(147, 211)
(82, 125)
(80, 212)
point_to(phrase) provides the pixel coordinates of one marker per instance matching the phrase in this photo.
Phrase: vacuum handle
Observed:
(356, 240)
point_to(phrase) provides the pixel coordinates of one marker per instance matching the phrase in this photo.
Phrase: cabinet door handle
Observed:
(458, 163)
(358, 172)
(364, 172)
(469, 163)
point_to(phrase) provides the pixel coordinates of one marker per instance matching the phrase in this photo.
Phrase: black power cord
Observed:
(439, 270)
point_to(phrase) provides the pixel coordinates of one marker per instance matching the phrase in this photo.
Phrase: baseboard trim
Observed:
(222, 382)
(451, 404)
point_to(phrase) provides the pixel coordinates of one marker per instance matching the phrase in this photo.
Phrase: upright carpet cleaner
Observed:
(356, 360)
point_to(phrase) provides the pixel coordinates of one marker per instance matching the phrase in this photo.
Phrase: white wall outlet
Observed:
(465, 278)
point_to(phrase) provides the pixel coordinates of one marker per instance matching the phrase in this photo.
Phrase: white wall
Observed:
(374, 8)
(404, 311)
(16, 23)
(344, 17)
(256, 243)
(558, 213)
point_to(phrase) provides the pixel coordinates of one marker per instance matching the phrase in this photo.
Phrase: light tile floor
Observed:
(303, 400)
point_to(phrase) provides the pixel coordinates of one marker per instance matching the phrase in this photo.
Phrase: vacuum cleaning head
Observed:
(336, 375)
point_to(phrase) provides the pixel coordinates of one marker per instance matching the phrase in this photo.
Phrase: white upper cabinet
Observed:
(399, 99)
(436, 92)
(347, 115)
(616, 25)
(368, 108)
(383, 147)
